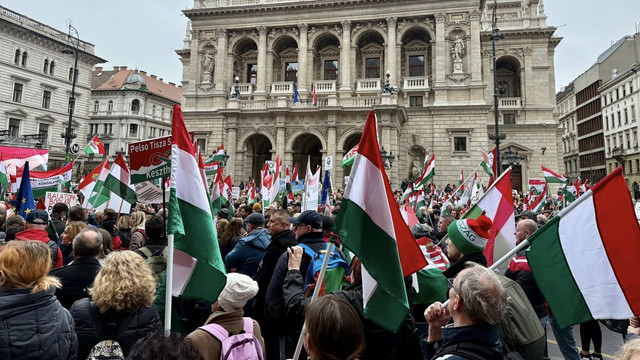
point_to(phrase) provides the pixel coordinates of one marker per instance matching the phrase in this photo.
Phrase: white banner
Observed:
(328, 163)
(52, 198)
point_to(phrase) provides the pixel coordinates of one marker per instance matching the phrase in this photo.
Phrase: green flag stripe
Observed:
(388, 305)
(551, 271)
(121, 189)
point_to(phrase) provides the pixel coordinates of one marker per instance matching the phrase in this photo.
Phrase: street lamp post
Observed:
(68, 135)
(495, 37)
(387, 159)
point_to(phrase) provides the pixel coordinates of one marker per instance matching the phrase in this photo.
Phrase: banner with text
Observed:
(150, 159)
(52, 198)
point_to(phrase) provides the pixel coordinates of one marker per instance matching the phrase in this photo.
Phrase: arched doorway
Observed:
(508, 77)
(307, 146)
(349, 143)
(257, 150)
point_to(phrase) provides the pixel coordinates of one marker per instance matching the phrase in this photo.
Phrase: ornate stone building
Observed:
(568, 145)
(36, 80)
(438, 59)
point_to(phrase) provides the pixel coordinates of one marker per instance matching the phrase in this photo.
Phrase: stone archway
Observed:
(307, 146)
(351, 141)
(257, 150)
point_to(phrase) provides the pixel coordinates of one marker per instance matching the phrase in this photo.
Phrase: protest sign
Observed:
(328, 163)
(150, 159)
(52, 198)
(235, 192)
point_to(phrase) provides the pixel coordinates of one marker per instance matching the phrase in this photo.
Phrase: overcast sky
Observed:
(143, 34)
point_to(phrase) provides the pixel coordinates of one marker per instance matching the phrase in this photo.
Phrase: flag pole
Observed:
(93, 205)
(168, 287)
(316, 292)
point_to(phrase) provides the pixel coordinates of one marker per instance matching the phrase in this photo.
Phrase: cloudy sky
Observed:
(143, 34)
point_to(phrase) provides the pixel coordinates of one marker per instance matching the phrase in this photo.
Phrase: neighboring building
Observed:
(128, 106)
(438, 58)
(566, 100)
(620, 100)
(36, 80)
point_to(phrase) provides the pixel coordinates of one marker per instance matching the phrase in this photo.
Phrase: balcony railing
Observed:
(325, 87)
(308, 103)
(244, 88)
(282, 88)
(510, 103)
(416, 83)
(228, 3)
(368, 85)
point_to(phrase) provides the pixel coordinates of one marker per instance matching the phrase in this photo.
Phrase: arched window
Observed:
(135, 106)
(46, 66)
(16, 59)
(110, 106)
(96, 106)
(70, 74)
(153, 111)
(51, 67)
(162, 113)
(24, 59)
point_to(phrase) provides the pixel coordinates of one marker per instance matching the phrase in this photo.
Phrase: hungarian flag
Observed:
(266, 179)
(428, 173)
(498, 204)
(295, 172)
(251, 194)
(4, 179)
(119, 181)
(576, 185)
(274, 192)
(88, 183)
(211, 168)
(227, 190)
(348, 158)
(94, 146)
(552, 177)
(408, 215)
(370, 225)
(429, 283)
(406, 195)
(216, 193)
(199, 272)
(487, 162)
(219, 154)
(289, 187)
(55, 180)
(315, 97)
(420, 202)
(536, 202)
(585, 260)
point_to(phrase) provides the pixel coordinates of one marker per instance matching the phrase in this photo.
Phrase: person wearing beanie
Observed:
(227, 312)
(467, 240)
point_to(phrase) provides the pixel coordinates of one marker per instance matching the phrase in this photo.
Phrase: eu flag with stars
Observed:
(25, 204)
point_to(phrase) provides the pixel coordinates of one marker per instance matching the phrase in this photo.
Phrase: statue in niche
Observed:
(207, 67)
(457, 50)
(525, 8)
(416, 170)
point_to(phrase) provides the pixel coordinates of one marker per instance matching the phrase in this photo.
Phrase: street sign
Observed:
(75, 148)
(150, 159)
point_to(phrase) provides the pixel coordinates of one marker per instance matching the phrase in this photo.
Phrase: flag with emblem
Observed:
(88, 183)
(24, 203)
(95, 146)
(119, 181)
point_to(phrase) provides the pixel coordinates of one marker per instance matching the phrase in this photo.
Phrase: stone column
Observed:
(281, 140)
(262, 63)
(221, 63)
(232, 129)
(302, 59)
(392, 57)
(528, 99)
(440, 51)
(345, 59)
(332, 141)
(194, 61)
(474, 54)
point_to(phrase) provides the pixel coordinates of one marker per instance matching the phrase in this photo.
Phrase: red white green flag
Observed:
(94, 146)
(4, 179)
(487, 162)
(428, 173)
(199, 272)
(552, 177)
(585, 260)
(55, 180)
(348, 158)
(119, 181)
(211, 168)
(274, 192)
(372, 228)
(536, 202)
(219, 154)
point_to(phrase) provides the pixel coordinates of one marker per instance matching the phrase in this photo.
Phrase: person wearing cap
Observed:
(227, 312)
(250, 249)
(467, 240)
(35, 229)
(308, 230)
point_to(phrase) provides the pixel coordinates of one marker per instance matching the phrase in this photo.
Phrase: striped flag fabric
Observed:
(274, 192)
(265, 185)
(211, 168)
(487, 162)
(348, 158)
(219, 154)
(4, 179)
(372, 228)
(536, 202)
(431, 284)
(498, 204)
(585, 259)
(94, 146)
(119, 181)
(295, 172)
(428, 173)
(199, 272)
(551, 177)
(55, 180)
(89, 183)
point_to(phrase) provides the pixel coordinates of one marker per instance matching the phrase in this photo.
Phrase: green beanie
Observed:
(470, 235)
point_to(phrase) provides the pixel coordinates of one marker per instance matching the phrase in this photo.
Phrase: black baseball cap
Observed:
(309, 217)
(39, 217)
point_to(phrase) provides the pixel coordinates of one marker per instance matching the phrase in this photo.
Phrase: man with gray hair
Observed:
(477, 303)
(78, 276)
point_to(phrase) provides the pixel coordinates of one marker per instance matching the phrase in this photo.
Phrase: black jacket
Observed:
(75, 278)
(461, 264)
(35, 326)
(279, 244)
(131, 328)
(58, 224)
(125, 236)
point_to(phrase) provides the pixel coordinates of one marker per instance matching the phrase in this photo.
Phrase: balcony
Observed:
(229, 3)
(368, 85)
(365, 102)
(245, 89)
(510, 103)
(326, 87)
(282, 88)
(416, 83)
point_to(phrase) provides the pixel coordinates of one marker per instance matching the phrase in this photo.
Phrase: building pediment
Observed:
(46, 119)
(17, 113)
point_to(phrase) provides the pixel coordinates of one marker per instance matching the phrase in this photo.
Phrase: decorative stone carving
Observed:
(474, 15)
(440, 17)
(528, 51)
(207, 66)
(262, 30)
(221, 33)
(392, 21)
(195, 35)
(322, 130)
(525, 8)
(458, 49)
(303, 27)
(290, 130)
(346, 24)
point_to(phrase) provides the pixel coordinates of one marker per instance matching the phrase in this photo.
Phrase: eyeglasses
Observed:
(450, 283)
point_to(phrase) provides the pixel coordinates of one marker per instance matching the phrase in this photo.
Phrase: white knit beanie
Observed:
(238, 290)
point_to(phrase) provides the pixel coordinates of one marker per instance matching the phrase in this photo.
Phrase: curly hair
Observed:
(25, 264)
(629, 350)
(124, 283)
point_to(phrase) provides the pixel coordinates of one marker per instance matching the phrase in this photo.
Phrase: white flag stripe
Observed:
(189, 170)
(601, 290)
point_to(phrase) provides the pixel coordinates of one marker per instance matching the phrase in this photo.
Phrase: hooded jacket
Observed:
(43, 236)
(249, 251)
(35, 326)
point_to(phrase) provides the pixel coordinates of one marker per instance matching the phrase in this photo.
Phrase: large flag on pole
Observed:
(94, 146)
(4, 179)
(552, 177)
(370, 225)
(55, 180)
(199, 272)
(348, 158)
(498, 204)
(428, 173)
(25, 204)
(585, 260)
(119, 181)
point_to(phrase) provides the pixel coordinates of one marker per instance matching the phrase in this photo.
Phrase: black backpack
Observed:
(107, 347)
(469, 351)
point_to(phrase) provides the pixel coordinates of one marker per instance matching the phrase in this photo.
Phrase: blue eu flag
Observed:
(295, 94)
(24, 204)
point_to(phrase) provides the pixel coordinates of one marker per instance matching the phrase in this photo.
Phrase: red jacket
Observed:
(42, 236)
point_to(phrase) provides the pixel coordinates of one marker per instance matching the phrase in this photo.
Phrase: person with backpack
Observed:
(308, 230)
(477, 303)
(227, 328)
(155, 250)
(36, 229)
(250, 249)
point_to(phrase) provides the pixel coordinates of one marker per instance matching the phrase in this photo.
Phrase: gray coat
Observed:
(35, 326)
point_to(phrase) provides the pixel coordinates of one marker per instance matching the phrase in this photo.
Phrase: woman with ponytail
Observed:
(33, 323)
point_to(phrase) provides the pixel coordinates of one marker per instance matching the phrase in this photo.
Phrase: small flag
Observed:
(552, 177)
(315, 98)
(4, 179)
(295, 94)
(428, 173)
(219, 155)
(348, 158)
(95, 146)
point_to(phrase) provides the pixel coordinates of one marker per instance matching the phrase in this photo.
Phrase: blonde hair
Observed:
(123, 223)
(629, 349)
(124, 283)
(25, 264)
(139, 218)
(74, 228)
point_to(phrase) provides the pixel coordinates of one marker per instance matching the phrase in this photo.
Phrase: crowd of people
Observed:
(91, 284)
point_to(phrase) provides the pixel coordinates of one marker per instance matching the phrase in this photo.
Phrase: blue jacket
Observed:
(487, 336)
(248, 253)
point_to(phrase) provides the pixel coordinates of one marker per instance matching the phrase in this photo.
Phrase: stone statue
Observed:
(207, 67)
(525, 8)
(457, 50)
(416, 170)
